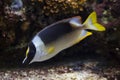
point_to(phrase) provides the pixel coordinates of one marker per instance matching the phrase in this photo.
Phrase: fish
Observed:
(59, 36)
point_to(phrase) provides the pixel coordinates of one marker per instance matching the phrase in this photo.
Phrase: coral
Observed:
(115, 8)
(18, 27)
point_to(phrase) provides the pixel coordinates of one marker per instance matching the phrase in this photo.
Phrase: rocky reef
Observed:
(20, 21)
(19, 25)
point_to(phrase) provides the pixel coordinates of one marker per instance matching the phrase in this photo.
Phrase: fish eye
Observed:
(27, 51)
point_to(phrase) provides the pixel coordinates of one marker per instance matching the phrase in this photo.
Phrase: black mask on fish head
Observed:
(30, 53)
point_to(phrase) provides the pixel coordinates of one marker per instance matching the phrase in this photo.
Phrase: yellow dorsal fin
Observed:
(50, 50)
(91, 23)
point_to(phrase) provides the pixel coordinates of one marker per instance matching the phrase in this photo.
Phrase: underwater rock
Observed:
(16, 30)
(115, 9)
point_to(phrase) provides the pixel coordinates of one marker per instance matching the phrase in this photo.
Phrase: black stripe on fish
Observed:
(31, 53)
(51, 33)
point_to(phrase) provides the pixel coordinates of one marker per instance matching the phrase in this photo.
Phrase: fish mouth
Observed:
(26, 61)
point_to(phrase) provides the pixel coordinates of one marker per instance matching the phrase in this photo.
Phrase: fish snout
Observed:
(26, 61)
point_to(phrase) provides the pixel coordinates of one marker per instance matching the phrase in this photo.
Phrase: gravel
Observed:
(77, 70)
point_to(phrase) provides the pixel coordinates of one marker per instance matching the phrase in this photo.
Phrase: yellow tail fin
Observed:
(91, 23)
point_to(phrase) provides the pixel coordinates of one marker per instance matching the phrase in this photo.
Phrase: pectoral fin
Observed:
(50, 50)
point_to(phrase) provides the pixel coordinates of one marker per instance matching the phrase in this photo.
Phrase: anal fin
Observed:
(82, 36)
